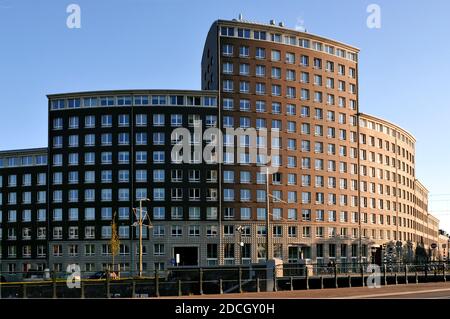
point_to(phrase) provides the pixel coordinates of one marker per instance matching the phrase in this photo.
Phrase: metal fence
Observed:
(183, 281)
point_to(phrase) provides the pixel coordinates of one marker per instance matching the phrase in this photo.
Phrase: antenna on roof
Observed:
(241, 17)
(272, 22)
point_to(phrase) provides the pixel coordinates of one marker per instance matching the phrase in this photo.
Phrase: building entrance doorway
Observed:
(188, 255)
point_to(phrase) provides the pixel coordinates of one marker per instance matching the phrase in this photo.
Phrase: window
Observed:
(73, 195)
(228, 86)
(158, 120)
(260, 71)
(244, 87)
(89, 140)
(244, 69)
(159, 213)
(89, 177)
(260, 88)
(159, 249)
(228, 195)
(89, 214)
(57, 123)
(106, 232)
(124, 213)
(158, 194)
(73, 232)
(141, 138)
(89, 195)
(194, 213)
(41, 179)
(89, 158)
(141, 176)
(244, 51)
(106, 120)
(89, 121)
(227, 49)
(141, 120)
(106, 158)
(261, 213)
(124, 232)
(141, 193)
(124, 194)
(291, 92)
(89, 233)
(57, 214)
(74, 103)
(176, 120)
(304, 60)
(261, 231)
(73, 122)
(57, 141)
(276, 55)
(260, 52)
(73, 159)
(158, 138)
(124, 139)
(244, 33)
(290, 58)
(158, 157)
(227, 31)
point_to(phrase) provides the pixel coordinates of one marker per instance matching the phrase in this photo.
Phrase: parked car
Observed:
(98, 275)
(36, 275)
(102, 275)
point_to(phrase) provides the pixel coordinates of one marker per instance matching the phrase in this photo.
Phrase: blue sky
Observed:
(128, 44)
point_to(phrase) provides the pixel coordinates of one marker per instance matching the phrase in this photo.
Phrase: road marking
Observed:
(393, 294)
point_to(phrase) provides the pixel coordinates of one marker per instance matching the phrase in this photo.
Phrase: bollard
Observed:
(24, 291)
(180, 292)
(156, 283)
(307, 278)
(221, 286)
(321, 282)
(82, 289)
(335, 277)
(133, 288)
(275, 288)
(257, 285)
(108, 288)
(349, 281)
(396, 279)
(362, 276)
(200, 281)
(443, 273)
(426, 273)
(417, 278)
(54, 284)
(240, 280)
(384, 275)
(292, 283)
(406, 274)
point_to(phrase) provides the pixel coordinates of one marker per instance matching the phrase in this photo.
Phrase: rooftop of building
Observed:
(280, 27)
(132, 92)
(24, 152)
(388, 124)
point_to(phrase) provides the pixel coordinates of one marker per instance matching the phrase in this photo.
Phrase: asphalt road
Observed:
(411, 291)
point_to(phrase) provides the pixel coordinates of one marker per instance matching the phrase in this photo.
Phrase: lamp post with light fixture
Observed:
(140, 223)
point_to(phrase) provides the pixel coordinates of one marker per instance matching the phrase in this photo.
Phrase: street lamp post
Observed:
(140, 223)
(240, 230)
(268, 232)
